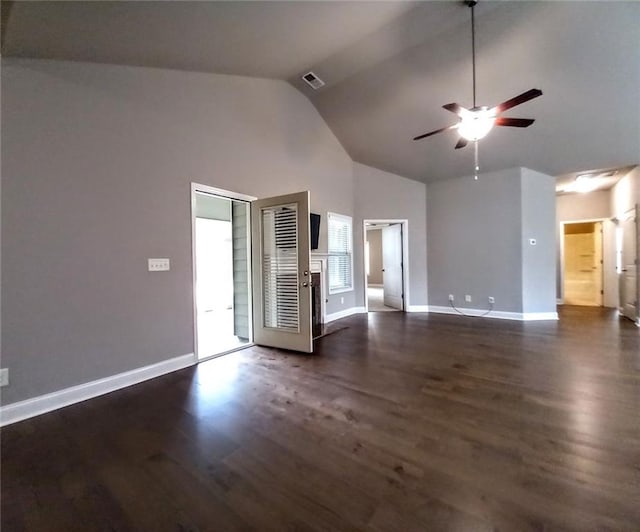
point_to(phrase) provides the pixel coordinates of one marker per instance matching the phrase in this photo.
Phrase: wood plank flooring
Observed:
(398, 423)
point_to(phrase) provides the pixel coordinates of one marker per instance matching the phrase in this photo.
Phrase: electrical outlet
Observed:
(4, 377)
(492, 300)
(159, 265)
(467, 298)
(451, 297)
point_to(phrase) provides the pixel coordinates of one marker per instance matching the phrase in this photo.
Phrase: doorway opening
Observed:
(583, 263)
(385, 262)
(222, 271)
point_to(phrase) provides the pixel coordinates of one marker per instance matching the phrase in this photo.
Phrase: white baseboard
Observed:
(540, 316)
(497, 314)
(374, 285)
(35, 406)
(418, 308)
(560, 301)
(343, 314)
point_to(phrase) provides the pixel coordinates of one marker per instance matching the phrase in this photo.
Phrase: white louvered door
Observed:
(281, 276)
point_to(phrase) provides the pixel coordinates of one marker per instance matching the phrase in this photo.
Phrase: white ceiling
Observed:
(389, 67)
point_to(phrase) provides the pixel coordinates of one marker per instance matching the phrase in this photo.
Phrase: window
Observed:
(340, 253)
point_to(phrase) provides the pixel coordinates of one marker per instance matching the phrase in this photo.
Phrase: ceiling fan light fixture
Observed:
(477, 124)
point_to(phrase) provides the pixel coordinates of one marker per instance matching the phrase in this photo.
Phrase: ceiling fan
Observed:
(475, 123)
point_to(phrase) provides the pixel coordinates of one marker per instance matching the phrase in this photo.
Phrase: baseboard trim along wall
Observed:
(344, 314)
(496, 314)
(418, 308)
(42, 404)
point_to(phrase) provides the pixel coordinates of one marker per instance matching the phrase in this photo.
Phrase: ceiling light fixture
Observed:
(476, 123)
(583, 184)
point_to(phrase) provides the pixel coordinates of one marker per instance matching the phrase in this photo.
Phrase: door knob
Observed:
(305, 284)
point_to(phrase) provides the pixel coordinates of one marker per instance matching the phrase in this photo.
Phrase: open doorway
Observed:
(583, 263)
(221, 256)
(384, 256)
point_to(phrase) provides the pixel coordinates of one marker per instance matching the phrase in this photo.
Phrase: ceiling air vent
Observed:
(312, 80)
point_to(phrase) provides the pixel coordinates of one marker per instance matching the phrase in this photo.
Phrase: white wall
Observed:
(625, 196)
(626, 193)
(591, 206)
(97, 165)
(382, 195)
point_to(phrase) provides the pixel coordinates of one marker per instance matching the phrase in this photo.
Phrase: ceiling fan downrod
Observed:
(472, 5)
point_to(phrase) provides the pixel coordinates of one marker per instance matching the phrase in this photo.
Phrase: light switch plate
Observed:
(159, 265)
(4, 377)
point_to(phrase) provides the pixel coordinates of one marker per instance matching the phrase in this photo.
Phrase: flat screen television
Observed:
(315, 230)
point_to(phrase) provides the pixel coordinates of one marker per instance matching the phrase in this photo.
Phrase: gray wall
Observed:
(474, 232)
(381, 195)
(538, 197)
(97, 162)
(374, 237)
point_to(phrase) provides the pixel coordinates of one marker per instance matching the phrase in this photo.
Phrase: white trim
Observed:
(559, 301)
(496, 314)
(418, 308)
(35, 406)
(321, 260)
(405, 258)
(234, 196)
(540, 316)
(344, 313)
(374, 285)
(228, 194)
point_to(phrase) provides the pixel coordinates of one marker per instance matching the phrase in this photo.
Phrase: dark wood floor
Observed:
(399, 422)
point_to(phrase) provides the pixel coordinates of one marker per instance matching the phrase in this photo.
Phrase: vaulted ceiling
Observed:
(389, 67)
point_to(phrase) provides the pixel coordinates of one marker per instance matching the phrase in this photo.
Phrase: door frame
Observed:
(405, 257)
(562, 260)
(233, 196)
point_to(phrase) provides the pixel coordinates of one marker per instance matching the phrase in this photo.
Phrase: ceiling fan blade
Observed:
(514, 122)
(419, 137)
(457, 109)
(517, 100)
(453, 107)
(462, 142)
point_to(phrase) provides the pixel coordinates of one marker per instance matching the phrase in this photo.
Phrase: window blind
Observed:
(280, 267)
(340, 248)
